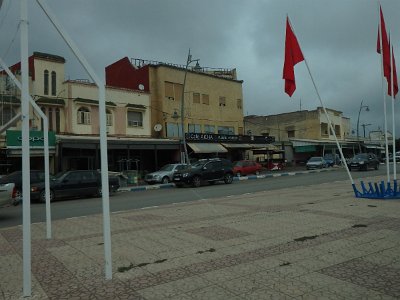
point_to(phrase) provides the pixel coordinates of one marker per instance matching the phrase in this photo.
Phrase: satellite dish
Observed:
(157, 127)
(141, 87)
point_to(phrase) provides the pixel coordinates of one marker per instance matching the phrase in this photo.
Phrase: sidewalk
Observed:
(314, 242)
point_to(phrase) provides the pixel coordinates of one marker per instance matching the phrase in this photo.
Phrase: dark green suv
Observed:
(205, 170)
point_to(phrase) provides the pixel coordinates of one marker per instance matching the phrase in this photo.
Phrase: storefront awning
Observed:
(207, 148)
(236, 146)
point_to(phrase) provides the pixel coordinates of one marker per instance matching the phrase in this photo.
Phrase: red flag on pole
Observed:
(385, 47)
(395, 83)
(293, 55)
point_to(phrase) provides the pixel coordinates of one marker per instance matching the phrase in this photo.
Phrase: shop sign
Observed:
(307, 148)
(36, 139)
(226, 138)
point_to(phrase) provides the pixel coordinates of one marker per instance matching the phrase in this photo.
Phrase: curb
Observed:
(251, 177)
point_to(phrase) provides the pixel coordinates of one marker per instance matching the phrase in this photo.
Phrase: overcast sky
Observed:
(338, 39)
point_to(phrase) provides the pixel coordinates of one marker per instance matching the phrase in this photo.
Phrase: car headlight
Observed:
(362, 162)
(34, 189)
(185, 174)
(157, 176)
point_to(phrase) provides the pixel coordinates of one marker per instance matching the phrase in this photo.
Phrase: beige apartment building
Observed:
(213, 103)
(71, 107)
(303, 134)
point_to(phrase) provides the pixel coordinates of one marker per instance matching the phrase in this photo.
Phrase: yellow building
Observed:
(213, 98)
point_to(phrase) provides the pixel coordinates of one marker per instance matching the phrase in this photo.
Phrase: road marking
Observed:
(150, 207)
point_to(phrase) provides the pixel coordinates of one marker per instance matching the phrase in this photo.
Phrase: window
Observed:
(7, 114)
(169, 90)
(173, 130)
(135, 119)
(239, 103)
(222, 101)
(53, 83)
(324, 129)
(58, 121)
(209, 129)
(226, 130)
(50, 118)
(205, 99)
(337, 130)
(196, 98)
(194, 128)
(83, 116)
(290, 133)
(173, 91)
(46, 82)
(109, 120)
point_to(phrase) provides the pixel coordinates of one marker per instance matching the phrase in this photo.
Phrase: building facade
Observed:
(213, 101)
(303, 134)
(73, 115)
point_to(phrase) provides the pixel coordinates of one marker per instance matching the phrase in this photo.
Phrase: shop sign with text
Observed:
(226, 138)
(36, 139)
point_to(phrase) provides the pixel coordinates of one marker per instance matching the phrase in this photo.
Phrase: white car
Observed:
(6, 191)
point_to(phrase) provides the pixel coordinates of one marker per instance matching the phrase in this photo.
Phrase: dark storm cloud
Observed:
(338, 39)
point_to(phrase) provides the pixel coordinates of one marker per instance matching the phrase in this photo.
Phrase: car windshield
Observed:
(238, 163)
(315, 159)
(59, 175)
(198, 164)
(360, 156)
(168, 167)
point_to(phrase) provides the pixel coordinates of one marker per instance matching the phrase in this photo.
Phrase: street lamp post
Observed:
(188, 62)
(365, 125)
(358, 122)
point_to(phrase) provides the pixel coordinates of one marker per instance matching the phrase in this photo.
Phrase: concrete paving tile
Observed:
(266, 294)
(243, 285)
(162, 291)
(212, 292)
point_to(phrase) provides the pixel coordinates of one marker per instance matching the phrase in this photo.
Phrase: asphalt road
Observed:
(11, 216)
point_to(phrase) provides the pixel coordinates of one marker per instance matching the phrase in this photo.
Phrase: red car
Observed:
(245, 167)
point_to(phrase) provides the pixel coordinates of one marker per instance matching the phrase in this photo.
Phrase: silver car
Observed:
(316, 162)
(164, 175)
(6, 191)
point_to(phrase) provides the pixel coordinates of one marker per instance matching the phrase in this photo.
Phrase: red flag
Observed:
(293, 55)
(385, 48)
(395, 83)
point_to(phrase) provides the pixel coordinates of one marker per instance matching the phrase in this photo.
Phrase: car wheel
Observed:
(349, 168)
(228, 178)
(165, 180)
(196, 181)
(238, 174)
(377, 167)
(42, 196)
(99, 192)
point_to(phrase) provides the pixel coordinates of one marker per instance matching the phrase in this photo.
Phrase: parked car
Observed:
(364, 161)
(332, 159)
(16, 178)
(77, 183)
(205, 170)
(316, 162)
(245, 167)
(164, 175)
(6, 191)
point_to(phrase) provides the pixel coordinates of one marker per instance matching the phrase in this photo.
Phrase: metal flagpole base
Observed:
(378, 191)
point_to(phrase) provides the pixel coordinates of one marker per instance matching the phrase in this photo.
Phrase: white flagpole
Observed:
(393, 119)
(384, 96)
(326, 115)
(26, 196)
(103, 134)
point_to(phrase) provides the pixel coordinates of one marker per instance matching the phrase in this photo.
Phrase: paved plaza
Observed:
(313, 242)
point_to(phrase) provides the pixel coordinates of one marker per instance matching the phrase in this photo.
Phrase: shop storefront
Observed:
(232, 147)
(11, 154)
